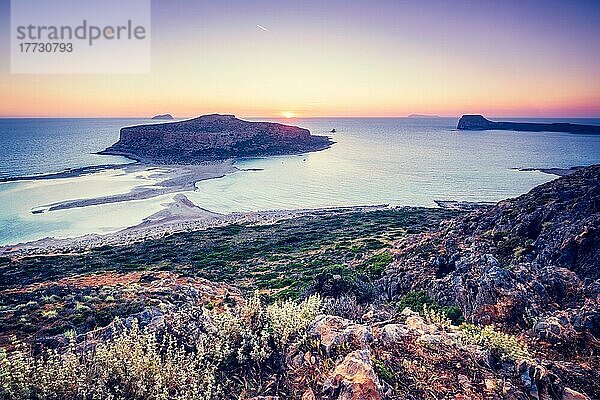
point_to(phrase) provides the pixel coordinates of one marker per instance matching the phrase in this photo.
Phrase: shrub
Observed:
(288, 319)
(436, 317)
(383, 371)
(454, 314)
(338, 280)
(419, 300)
(375, 266)
(49, 313)
(199, 354)
(345, 306)
(501, 345)
(415, 300)
(133, 364)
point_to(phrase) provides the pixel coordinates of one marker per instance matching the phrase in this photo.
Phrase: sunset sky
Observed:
(339, 58)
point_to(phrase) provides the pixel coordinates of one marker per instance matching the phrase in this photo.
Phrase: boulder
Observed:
(333, 332)
(570, 394)
(354, 378)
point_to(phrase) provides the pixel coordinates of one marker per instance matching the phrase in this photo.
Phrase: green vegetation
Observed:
(383, 371)
(419, 301)
(504, 346)
(375, 265)
(289, 259)
(338, 280)
(198, 355)
(296, 248)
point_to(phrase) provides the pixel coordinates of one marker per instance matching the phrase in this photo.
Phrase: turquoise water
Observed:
(401, 161)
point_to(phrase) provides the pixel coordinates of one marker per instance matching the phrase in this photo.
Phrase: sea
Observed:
(395, 161)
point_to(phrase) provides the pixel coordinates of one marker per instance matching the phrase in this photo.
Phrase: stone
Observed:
(333, 332)
(354, 378)
(308, 395)
(570, 394)
(392, 334)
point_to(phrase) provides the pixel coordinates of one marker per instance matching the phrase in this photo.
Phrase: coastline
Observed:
(553, 171)
(179, 216)
(170, 179)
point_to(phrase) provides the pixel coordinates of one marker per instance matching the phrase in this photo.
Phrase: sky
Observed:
(308, 58)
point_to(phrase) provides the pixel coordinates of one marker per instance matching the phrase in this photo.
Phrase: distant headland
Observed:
(163, 116)
(480, 123)
(423, 116)
(213, 137)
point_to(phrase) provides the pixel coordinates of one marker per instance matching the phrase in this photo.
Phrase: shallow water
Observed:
(399, 161)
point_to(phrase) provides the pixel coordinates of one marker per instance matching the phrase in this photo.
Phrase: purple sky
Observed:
(517, 58)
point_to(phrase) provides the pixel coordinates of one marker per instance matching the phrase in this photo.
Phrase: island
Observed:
(213, 137)
(480, 123)
(423, 116)
(163, 116)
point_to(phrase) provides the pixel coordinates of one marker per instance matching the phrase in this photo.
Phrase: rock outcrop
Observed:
(479, 123)
(213, 137)
(411, 357)
(354, 378)
(529, 264)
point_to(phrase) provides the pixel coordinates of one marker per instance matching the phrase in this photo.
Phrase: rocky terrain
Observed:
(213, 137)
(529, 265)
(479, 123)
(500, 302)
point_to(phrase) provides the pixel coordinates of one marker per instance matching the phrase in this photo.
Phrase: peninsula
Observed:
(480, 123)
(213, 137)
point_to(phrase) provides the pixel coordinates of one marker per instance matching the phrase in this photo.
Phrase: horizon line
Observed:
(414, 116)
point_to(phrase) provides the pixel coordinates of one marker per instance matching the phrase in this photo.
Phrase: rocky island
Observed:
(480, 123)
(213, 137)
(163, 116)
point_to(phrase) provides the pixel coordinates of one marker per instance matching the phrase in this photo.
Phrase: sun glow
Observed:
(288, 114)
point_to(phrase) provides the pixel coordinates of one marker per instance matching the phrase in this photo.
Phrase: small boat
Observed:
(333, 130)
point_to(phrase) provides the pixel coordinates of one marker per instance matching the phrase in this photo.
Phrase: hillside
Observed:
(409, 303)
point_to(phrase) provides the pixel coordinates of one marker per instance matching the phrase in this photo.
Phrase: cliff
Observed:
(213, 137)
(479, 123)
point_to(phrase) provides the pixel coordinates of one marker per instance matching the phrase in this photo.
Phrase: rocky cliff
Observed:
(479, 123)
(213, 137)
(529, 264)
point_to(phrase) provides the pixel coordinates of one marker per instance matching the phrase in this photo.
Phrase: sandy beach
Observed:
(169, 179)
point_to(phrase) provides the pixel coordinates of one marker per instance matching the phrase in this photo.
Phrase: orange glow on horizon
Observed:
(336, 60)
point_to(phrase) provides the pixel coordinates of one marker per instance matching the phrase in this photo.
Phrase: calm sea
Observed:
(400, 161)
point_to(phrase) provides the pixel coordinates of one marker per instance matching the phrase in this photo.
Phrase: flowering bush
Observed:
(198, 354)
(502, 345)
